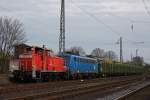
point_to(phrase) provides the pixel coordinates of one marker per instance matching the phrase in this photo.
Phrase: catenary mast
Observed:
(62, 28)
(121, 52)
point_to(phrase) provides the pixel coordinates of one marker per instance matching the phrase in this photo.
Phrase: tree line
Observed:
(97, 52)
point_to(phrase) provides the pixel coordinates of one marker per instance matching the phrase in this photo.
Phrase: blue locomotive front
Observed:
(81, 67)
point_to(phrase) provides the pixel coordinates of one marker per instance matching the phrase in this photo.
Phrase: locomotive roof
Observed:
(80, 56)
(29, 46)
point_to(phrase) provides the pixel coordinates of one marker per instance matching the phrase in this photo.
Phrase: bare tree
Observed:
(76, 50)
(97, 52)
(11, 33)
(111, 55)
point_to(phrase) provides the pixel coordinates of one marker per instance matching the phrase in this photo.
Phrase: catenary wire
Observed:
(101, 22)
(146, 7)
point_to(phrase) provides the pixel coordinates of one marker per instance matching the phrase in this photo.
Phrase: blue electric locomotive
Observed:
(80, 67)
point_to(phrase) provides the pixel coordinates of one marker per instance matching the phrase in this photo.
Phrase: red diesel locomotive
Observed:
(38, 64)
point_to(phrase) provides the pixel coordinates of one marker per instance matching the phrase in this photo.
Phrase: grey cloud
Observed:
(41, 21)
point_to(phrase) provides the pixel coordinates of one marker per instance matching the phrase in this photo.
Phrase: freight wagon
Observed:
(109, 68)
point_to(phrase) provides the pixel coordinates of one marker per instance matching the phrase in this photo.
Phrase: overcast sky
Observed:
(110, 19)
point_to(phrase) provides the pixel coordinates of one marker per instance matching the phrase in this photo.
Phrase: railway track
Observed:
(17, 87)
(130, 92)
(7, 88)
(124, 92)
(72, 90)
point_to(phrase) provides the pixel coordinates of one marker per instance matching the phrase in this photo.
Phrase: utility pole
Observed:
(137, 52)
(62, 28)
(121, 55)
(131, 57)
